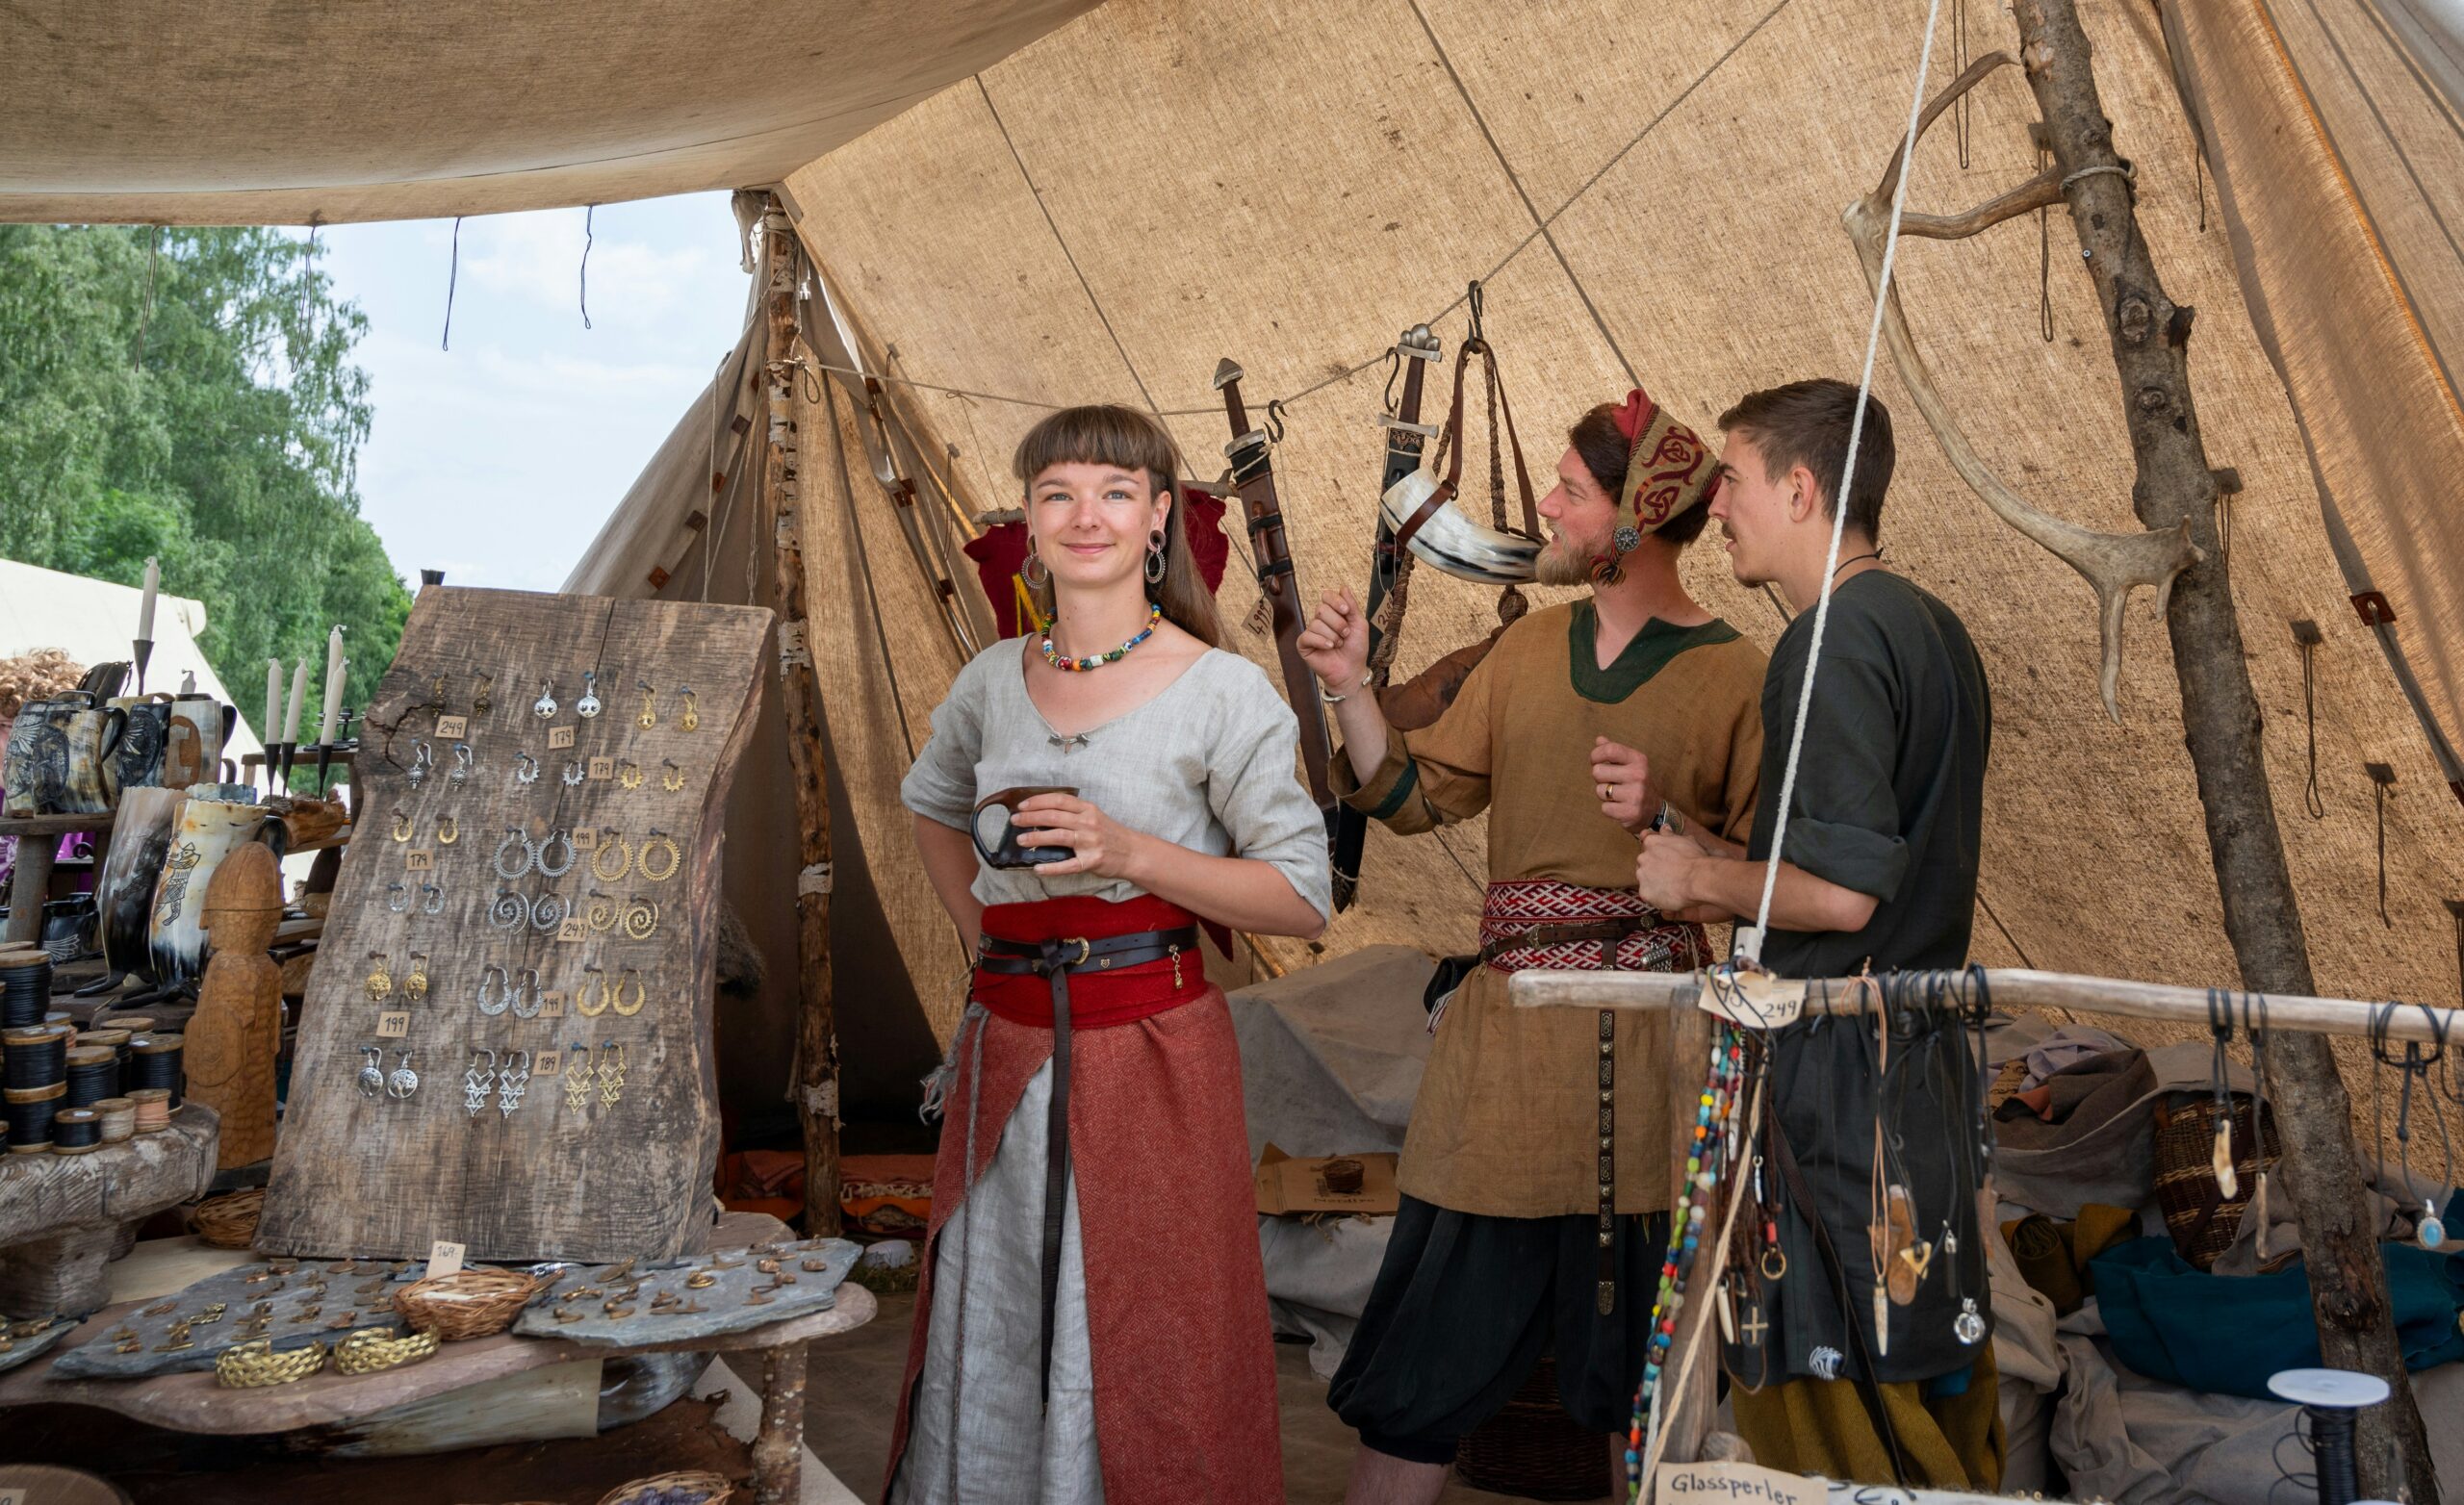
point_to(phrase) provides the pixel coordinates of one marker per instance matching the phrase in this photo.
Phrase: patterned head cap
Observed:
(1668, 469)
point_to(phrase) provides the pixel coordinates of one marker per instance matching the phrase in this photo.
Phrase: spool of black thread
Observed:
(76, 1129)
(25, 990)
(33, 1057)
(29, 1113)
(94, 1075)
(117, 1039)
(2332, 1429)
(154, 1061)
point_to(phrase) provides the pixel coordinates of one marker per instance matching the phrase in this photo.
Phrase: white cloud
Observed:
(538, 256)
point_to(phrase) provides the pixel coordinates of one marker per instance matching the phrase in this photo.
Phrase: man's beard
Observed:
(1564, 560)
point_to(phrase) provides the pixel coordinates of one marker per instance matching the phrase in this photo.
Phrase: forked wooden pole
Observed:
(816, 1084)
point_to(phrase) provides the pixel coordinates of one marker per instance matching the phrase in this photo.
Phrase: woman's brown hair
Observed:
(1107, 434)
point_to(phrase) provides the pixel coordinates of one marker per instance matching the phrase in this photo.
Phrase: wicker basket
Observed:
(255, 1364)
(1535, 1449)
(698, 1487)
(2203, 1221)
(472, 1303)
(229, 1221)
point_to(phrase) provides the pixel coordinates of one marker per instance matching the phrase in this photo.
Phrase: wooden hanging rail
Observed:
(2006, 987)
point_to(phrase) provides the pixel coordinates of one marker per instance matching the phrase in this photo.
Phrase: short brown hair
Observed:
(1604, 449)
(1807, 422)
(1106, 433)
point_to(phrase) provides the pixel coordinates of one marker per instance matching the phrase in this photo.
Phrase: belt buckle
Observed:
(1086, 948)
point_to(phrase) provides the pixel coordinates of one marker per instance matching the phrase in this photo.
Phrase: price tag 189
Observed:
(547, 1063)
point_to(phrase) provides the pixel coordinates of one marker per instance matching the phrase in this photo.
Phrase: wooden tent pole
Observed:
(816, 1084)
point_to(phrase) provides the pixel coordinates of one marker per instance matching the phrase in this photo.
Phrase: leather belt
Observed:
(1057, 959)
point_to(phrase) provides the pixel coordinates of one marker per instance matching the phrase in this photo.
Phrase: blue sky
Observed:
(496, 461)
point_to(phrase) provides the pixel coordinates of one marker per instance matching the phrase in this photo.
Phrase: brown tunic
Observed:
(1506, 1117)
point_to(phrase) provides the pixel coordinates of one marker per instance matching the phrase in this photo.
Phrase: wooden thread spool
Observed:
(153, 1108)
(25, 988)
(154, 1062)
(75, 1131)
(133, 1024)
(93, 1074)
(116, 1039)
(119, 1118)
(28, 1113)
(37, 1056)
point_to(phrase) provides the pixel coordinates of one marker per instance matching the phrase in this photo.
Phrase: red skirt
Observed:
(1181, 1345)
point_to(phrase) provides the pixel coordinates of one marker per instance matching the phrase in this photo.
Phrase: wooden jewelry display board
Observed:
(523, 1064)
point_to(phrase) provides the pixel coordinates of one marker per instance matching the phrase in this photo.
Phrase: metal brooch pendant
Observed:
(544, 707)
(588, 705)
(1968, 1327)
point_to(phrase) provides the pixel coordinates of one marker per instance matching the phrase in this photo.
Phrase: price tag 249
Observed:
(452, 729)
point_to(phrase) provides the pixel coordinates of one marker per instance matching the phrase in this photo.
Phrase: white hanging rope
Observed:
(1750, 945)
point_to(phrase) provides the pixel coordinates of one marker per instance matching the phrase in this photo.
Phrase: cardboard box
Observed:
(1286, 1185)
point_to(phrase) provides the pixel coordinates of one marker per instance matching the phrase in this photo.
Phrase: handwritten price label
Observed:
(586, 839)
(552, 1006)
(547, 1063)
(560, 736)
(452, 729)
(419, 860)
(393, 1025)
(575, 928)
(444, 1258)
(602, 769)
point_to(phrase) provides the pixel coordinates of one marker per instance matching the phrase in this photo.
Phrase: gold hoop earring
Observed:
(448, 830)
(641, 995)
(631, 776)
(401, 826)
(583, 1004)
(675, 859)
(610, 842)
(673, 780)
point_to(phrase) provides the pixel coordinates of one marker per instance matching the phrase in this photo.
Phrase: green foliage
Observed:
(193, 399)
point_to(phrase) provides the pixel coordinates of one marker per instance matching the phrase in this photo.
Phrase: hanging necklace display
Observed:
(2257, 1032)
(448, 830)
(561, 866)
(402, 828)
(404, 1081)
(512, 1082)
(477, 1081)
(588, 705)
(673, 780)
(526, 768)
(493, 998)
(509, 910)
(515, 855)
(423, 758)
(691, 720)
(372, 1070)
(544, 707)
(2414, 1067)
(463, 762)
(1079, 666)
(660, 841)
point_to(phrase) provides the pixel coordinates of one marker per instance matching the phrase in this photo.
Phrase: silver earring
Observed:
(398, 898)
(544, 707)
(572, 774)
(525, 989)
(477, 1081)
(422, 757)
(508, 910)
(512, 1081)
(462, 765)
(526, 768)
(547, 911)
(1033, 569)
(372, 1070)
(539, 857)
(1155, 558)
(404, 1081)
(431, 899)
(515, 844)
(491, 991)
(588, 705)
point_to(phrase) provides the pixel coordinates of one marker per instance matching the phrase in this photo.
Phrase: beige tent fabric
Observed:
(1161, 183)
(2334, 130)
(247, 111)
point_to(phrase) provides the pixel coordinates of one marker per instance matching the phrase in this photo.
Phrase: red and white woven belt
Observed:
(1535, 907)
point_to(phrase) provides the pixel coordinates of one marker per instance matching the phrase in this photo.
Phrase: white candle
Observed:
(335, 665)
(298, 693)
(273, 701)
(146, 607)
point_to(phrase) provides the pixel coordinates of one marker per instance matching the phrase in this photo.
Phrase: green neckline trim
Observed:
(1646, 655)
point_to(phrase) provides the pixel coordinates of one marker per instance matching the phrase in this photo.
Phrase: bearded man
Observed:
(1534, 1189)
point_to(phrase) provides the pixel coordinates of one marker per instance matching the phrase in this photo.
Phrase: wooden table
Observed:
(63, 1218)
(31, 887)
(195, 1403)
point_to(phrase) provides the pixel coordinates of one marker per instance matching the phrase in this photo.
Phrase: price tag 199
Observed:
(560, 736)
(443, 1258)
(419, 860)
(552, 1006)
(585, 838)
(452, 729)
(394, 1024)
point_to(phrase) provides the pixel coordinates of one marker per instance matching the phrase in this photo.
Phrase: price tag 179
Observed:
(602, 769)
(419, 860)
(560, 736)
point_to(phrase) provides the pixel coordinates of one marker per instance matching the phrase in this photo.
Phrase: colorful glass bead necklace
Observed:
(1703, 1161)
(1079, 666)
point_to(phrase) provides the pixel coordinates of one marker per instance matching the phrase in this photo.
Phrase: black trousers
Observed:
(1465, 1304)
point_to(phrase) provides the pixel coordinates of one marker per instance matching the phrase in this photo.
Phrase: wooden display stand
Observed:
(624, 1174)
(64, 1217)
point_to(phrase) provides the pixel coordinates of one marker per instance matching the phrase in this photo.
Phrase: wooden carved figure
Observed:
(233, 1039)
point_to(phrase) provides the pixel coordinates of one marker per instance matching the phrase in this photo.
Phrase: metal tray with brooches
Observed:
(289, 1303)
(724, 1291)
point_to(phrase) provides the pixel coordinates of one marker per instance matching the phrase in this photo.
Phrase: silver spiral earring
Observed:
(1155, 564)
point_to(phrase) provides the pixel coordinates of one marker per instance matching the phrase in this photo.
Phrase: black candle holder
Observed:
(143, 650)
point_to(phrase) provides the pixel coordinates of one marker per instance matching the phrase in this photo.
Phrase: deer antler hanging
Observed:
(2111, 562)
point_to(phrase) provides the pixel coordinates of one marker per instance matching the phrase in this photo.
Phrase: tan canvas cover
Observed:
(1161, 183)
(244, 111)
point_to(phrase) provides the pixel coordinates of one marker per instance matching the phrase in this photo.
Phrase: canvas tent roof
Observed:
(1104, 212)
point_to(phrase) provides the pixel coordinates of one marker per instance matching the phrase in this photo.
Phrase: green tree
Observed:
(189, 394)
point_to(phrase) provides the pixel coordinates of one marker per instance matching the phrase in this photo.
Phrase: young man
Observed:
(1880, 863)
(1535, 1172)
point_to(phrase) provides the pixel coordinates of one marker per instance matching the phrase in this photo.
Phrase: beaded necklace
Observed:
(1703, 1164)
(1079, 666)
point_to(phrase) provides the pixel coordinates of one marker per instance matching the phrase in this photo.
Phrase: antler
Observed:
(2111, 562)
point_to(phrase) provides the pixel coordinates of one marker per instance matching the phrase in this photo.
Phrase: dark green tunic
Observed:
(1888, 801)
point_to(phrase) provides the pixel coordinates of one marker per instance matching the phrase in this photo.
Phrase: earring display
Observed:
(522, 894)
